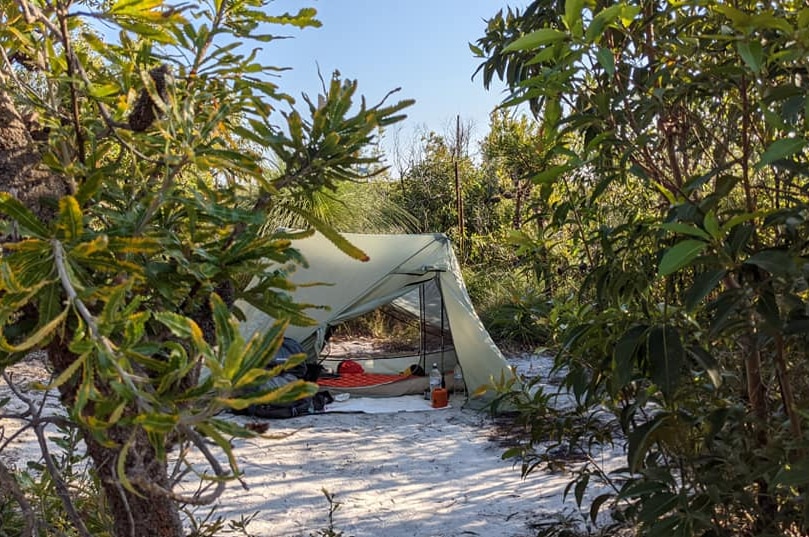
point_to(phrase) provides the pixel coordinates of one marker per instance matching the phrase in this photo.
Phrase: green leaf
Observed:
(752, 53)
(596, 505)
(686, 229)
(657, 505)
(38, 338)
(792, 475)
(603, 19)
(179, 325)
(704, 284)
(641, 438)
(120, 466)
(740, 19)
(666, 358)
(70, 218)
(708, 363)
(287, 393)
(11, 206)
(777, 262)
(550, 175)
(69, 371)
(335, 237)
(543, 36)
(623, 357)
(606, 59)
(711, 224)
(781, 149)
(572, 17)
(680, 255)
(157, 422)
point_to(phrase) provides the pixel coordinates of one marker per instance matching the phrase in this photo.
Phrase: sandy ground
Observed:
(432, 473)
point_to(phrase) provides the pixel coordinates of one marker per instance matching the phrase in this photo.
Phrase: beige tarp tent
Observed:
(403, 270)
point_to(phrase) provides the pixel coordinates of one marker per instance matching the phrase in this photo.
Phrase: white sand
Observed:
(405, 474)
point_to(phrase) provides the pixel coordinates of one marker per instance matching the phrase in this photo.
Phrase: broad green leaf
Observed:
(781, 149)
(778, 262)
(641, 438)
(768, 20)
(263, 346)
(210, 430)
(704, 284)
(606, 59)
(740, 19)
(792, 475)
(752, 54)
(550, 175)
(655, 506)
(225, 329)
(711, 224)
(686, 229)
(623, 357)
(679, 256)
(538, 38)
(666, 357)
(597, 503)
(11, 206)
(573, 12)
(134, 245)
(603, 19)
(89, 248)
(334, 236)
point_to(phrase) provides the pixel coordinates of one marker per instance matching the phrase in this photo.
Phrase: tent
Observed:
(416, 275)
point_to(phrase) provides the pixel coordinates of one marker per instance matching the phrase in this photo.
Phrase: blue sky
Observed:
(418, 45)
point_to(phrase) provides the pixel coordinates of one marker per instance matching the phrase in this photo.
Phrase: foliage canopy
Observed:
(136, 178)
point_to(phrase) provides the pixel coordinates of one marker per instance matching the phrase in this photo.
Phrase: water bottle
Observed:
(435, 378)
(458, 385)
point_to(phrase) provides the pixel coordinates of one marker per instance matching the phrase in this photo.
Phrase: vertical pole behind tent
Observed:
(422, 330)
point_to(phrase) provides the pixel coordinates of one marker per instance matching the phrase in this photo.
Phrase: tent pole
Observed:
(441, 298)
(423, 330)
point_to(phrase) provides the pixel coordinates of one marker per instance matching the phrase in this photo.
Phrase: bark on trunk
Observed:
(21, 173)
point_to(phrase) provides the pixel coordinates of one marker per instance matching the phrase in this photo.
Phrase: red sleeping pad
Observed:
(359, 380)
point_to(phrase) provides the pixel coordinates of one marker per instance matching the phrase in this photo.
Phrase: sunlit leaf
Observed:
(10, 206)
(781, 149)
(679, 256)
(536, 39)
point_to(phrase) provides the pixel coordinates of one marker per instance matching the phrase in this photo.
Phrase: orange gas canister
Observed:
(440, 397)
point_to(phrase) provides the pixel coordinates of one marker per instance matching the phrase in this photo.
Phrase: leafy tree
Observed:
(135, 186)
(686, 126)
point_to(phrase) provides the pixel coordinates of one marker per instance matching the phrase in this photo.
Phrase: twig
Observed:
(197, 498)
(61, 488)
